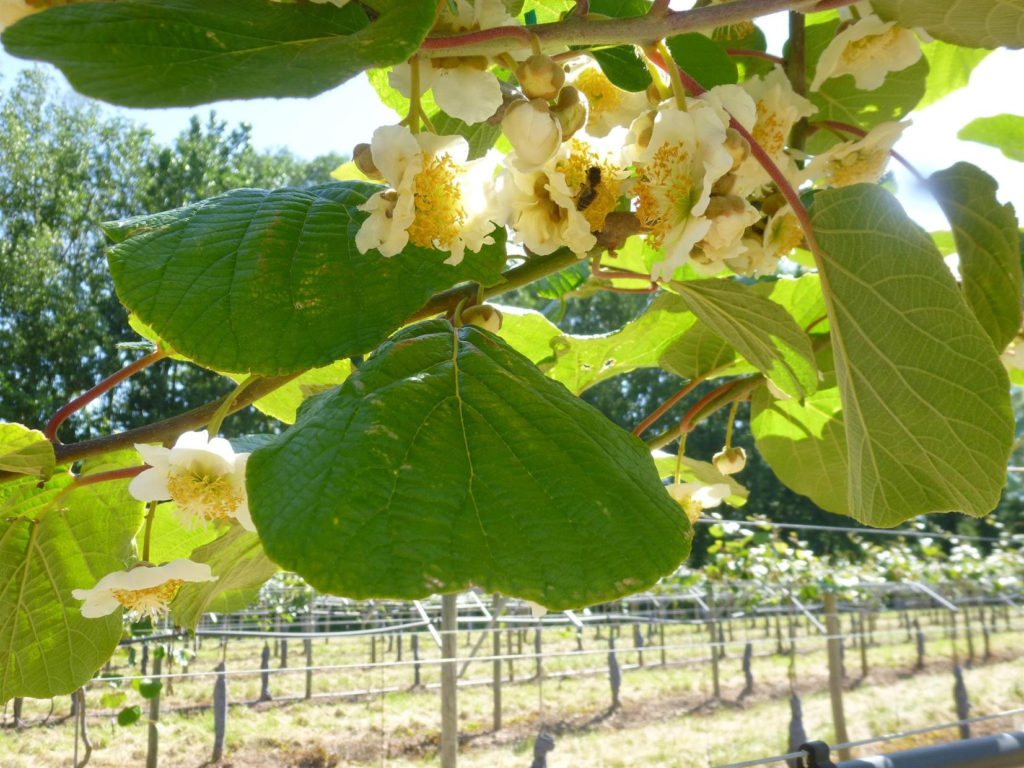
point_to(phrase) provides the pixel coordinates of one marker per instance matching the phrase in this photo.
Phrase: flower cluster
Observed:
(680, 166)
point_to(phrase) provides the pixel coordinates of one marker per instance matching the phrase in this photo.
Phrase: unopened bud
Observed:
(773, 204)
(570, 111)
(483, 316)
(534, 133)
(724, 185)
(653, 93)
(725, 205)
(642, 128)
(729, 461)
(362, 156)
(737, 146)
(540, 77)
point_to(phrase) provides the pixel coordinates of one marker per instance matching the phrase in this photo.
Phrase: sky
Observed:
(339, 119)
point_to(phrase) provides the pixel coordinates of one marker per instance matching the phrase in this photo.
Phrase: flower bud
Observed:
(570, 111)
(729, 461)
(540, 77)
(483, 316)
(534, 133)
(362, 156)
(737, 146)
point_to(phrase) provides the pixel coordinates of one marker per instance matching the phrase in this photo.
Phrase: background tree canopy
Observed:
(68, 165)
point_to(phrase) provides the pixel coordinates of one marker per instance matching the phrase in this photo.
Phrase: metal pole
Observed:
(449, 681)
(1005, 750)
(835, 672)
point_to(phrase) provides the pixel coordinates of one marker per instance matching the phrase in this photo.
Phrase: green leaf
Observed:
(547, 10)
(703, 59)
(53, 540)
(164, 53)
(448, 460)
(25, 451)
(271, 282)
(758, 328)
(988, 242)
(623, 67)
(805, 444)
(949, 68)
(129, 715)
(283, 403)
(925, 399)
(528, 332)
(479, 136)
(149, 688)
(238, 560)
(1004, 132)
(840, 100)
(971, 23)
(666, 335)
(170, 541)
(112, 699)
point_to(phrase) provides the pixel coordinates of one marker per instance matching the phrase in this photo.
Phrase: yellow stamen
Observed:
(665, 191)
(769, 130)
(869, 46)
(785, 234)
(602, 96)
(865, 165)
(201, 496)
(439, 212)
(594, 201)
(149, 601)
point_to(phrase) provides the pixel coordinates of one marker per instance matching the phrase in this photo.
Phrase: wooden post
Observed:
(265, 674)
(970, 636)
(715, 683)
(220, 712)
(449, 701)
(797, 734)
(536, 653)
(661, 640)
(835, 672)
(496, 668)
(638, 643)
(416, 661)
(307, 645)
(511, 665)
(284, 653)
(953, 638)
(748, 675)
(963, 704)
(984, 633)
(154, 715)
(373, 649)
(863, 649)
(614, 673)
(144, 664)
(920, 645)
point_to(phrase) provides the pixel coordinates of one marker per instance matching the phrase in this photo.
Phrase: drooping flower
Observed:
(534, 133)
(566, 201)
(868, 49)
(695, 497)
(676, 171)
(608, 106)
(145, 590)
(437, 199)
(855, 162)
(730, 215)
(204, 478)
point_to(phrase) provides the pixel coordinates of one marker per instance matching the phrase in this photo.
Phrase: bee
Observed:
(588, 190)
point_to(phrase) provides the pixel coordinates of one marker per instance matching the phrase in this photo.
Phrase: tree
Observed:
(442, 442)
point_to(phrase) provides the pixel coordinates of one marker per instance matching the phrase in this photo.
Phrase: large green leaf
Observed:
(271, 282)
(448, 460)
(703, 59)
(169, 540)
(25, 451)
(53, 540)
(529, 333)
(805, 444)
(840, 100)
(666, 335)
(1004, 132)
(988, 242)
(925, 399)
(760, 330)
(972, 23)
(241, 567)
(163, 53)
(283, 403)
(949, 68)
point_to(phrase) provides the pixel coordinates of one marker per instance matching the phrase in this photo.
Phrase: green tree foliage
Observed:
(68, 166)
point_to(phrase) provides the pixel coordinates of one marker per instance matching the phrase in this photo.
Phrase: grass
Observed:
(667, 715)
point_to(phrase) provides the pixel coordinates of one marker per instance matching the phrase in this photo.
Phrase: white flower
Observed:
(565, 201)
(869, 50)
(676, 170)
(730, 216)
(695, 497)
(777, 109)
(144, 590)
(204, 478)
(438, 198)
(534, 133)
(855, 162)
(465, 91)
(607, 105)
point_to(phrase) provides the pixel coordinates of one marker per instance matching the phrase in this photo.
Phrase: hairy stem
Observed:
(644, 30)
(100, 389)
(662, 409)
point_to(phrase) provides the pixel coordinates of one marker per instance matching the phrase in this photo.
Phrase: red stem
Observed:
(664, 407)
(50, 431)
(105, 477)
(685, 425)
(753, 54)
(480, 36)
